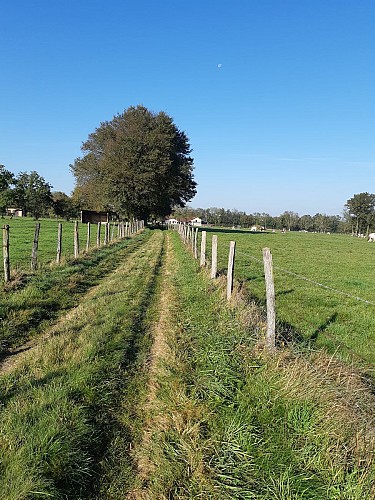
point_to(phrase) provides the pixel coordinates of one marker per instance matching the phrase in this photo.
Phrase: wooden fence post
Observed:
(59, 243)
(98, 234)
(106, 234)
(34, 251)
(76, 240)
(196, 243)
(230, 275)
(214, 257)
(6, 253)
(203, 249)
(270, 300)
(88, 237)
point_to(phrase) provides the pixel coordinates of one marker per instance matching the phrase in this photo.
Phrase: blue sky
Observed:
(277, 97)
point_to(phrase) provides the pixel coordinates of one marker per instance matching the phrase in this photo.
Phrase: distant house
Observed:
(171, 221)
(196, 221)
(14, 212)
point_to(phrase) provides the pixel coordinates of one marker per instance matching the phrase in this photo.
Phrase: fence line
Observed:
(134, 228)
(268, 275)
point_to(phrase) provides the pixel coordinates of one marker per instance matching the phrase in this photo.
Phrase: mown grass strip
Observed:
(24, 311)
(229, 422)
(58, 406)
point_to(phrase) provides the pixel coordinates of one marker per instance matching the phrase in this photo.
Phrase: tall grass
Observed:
(59, 405)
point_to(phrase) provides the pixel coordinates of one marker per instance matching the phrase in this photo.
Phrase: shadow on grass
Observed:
(286, 333)
(55, 290)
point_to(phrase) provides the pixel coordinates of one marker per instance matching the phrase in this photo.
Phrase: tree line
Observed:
(358, 218)
(33, 195)
(139, 165)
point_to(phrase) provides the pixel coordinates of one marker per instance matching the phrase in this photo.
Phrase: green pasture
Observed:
(305, 310)
(21, 237)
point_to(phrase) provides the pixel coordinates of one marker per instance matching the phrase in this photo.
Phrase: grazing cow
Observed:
(371, 237)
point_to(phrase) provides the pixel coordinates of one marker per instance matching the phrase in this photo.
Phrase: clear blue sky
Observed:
(277, 97)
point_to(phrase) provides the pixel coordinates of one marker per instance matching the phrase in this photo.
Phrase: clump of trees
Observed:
(360, 213)
(31, 193)
(289, 220)
(138, 165)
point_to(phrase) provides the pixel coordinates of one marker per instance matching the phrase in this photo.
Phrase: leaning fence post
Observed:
(76, 240)
(88, 237)
(214, 257)
(59, 243)
(230, 275)
(270, 300)
(203, 249)
(34, 251)
(6, 253)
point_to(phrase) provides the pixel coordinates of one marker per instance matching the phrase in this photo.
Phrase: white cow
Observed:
(371, 237)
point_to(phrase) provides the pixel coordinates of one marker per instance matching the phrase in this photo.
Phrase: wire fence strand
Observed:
(309, 280)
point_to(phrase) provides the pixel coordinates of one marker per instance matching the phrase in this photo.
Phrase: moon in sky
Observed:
(219, 65)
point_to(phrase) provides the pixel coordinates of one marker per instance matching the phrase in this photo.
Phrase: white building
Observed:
(171, 221)
(196, 221)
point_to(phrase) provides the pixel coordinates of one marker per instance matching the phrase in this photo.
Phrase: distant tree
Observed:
(361, 211)
(289, 220)
(6, 194)
(32, 194)
(306, 223)
(139, 163)
(64, 206)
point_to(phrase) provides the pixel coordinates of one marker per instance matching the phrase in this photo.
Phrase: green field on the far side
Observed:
(341, 262)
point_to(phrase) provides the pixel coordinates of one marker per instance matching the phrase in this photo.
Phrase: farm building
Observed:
(196, 221)
(171, 221)
(14, 212)
(94, 217)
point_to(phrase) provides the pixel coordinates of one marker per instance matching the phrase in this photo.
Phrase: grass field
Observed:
(305, 310)
(21, 236)
(155, 387)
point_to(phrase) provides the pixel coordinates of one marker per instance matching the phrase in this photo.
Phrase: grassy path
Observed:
(58, 406)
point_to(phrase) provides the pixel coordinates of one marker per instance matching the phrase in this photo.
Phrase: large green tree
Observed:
(33, 194)
(138, 164)
(6, 181)
(63, 205)
(360, 209)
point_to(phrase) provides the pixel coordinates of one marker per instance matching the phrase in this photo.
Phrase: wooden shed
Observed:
(94, 217)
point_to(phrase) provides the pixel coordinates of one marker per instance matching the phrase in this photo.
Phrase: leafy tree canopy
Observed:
(138, 164)
(32, 193)
(63, 205)
(361, 210)
(6, 181)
